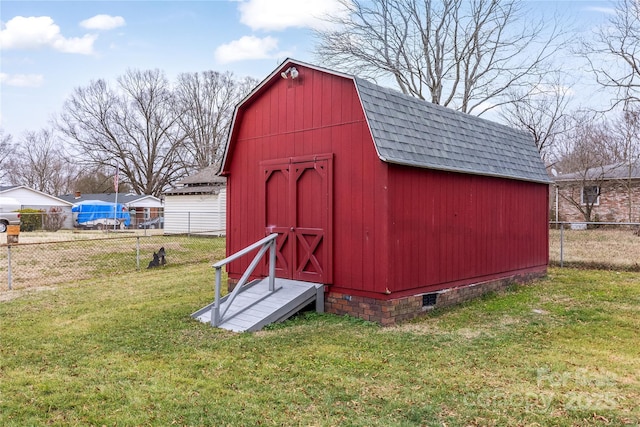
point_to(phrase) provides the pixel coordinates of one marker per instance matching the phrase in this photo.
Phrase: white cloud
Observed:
(103, 22)
(605, 10)
(21, 80)
(248, 47)
(276, 15)
(36, 32)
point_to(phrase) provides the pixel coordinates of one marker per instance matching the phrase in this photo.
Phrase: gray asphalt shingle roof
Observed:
(206, 176)
(413, 132)
(615, 171)
(196, 189)
(206, 181)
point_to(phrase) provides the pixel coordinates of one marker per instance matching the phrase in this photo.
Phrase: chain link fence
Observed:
(45, 258)
(172, 222)
(598, 245)
(41, 258)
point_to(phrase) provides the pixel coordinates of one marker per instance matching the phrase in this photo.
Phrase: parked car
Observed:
(153, 223)
(8, 214)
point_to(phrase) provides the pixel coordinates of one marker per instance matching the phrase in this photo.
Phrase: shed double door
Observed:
(298, 206)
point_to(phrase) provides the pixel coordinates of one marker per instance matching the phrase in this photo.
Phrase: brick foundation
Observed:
(231, 283)
(390, 312)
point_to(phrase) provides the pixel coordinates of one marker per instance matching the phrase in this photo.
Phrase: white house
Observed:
(34, 199)
(197, 204)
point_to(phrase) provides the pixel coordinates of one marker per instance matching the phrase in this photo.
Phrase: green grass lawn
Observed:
(123, 351)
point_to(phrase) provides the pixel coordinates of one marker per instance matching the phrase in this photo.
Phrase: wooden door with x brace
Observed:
(298, 206)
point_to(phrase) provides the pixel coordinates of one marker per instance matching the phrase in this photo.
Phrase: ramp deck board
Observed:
(256, 307)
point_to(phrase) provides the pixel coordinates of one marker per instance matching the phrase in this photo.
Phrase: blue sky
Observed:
(47, 48)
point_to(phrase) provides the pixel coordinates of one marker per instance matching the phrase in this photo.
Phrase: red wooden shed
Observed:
(394, 203)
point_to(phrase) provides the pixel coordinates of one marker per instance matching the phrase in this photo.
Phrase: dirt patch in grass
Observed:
(10, 295)
(480, 327)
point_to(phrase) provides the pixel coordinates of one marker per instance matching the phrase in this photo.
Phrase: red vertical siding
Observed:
(451, 228)
(318, 113)
(396, 230)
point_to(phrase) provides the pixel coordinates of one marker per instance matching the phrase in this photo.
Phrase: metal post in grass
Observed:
(9, 265)
(561, 245)
(138, 253)
(189, 223)
(215, 316)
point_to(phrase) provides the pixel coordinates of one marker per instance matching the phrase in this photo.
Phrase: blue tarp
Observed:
(90, 210)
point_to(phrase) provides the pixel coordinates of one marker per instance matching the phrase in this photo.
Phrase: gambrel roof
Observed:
(413, 132)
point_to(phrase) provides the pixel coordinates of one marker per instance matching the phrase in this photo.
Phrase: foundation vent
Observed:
(429, 300)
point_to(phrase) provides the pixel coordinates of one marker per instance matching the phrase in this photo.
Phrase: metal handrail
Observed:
(268, 243)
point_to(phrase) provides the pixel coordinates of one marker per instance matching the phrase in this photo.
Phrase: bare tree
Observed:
(590, 157)
(614, 55)
(98, 180)
(135, 126)
(6, 148)
(206, 101)
(626, 130)
(41, 163)
(542, 111)
(457, 53)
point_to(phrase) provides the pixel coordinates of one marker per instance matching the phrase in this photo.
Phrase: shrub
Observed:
(30, 219)
(54, 219)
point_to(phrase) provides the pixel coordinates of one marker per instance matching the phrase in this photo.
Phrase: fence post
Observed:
(137, 253)
(189, 223)
(561, 245)
(9, 265)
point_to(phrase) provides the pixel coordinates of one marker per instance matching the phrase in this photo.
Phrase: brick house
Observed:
(609, 193)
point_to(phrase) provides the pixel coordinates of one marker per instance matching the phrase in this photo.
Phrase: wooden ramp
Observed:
(255, 307)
